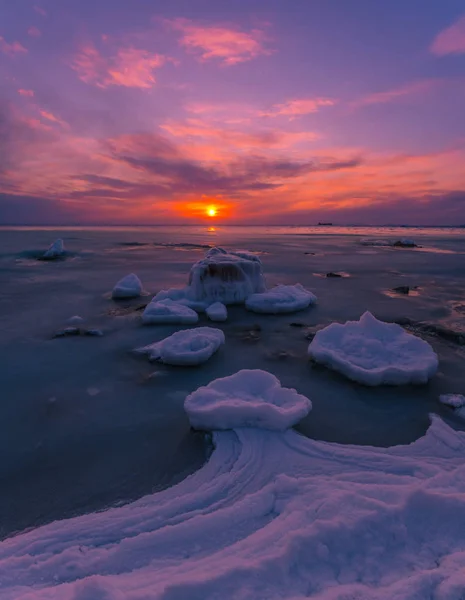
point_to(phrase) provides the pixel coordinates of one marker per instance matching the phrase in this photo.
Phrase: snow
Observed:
(188, 347)
(182, 296)
(227, 277)
(128, 287)
(270, 516)
(250, 398)
(75, 320)
(217, 312)
(56, 250)
(374, 353)
(167, 311)
(281, 299)
(454, 400)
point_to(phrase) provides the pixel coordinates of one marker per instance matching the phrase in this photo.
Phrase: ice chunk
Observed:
(250, 398)
(374, 353)
(182, 296)
(56, 250)
(281, 299)
(75, 320)
(454, 400)
(217, 312)
(227, 277)
(405, 243)
(167, 311)
(187, 347)
(375, 242)
(128, 287)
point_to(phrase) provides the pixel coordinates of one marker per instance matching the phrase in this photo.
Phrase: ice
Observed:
(167, 311)
(454, 400)
(374, 353)
(217, 312)
(56, 250)
(128, 287)
(271, 516)
(226, 277)
(75, 320)
(188, 347)
(250, 398)
(281, 299)
(182, 296)
(375, 242)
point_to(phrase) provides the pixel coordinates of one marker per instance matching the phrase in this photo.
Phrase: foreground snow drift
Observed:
(374, 353)
(270, 516)
(187, 347)
(127, 287)
(56, 250)
(167, 311)
(250, 398)
(281, 299)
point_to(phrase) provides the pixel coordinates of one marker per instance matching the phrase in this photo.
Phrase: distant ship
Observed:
(326, 224)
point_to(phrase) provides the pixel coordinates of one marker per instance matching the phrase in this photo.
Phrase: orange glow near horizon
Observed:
(212, 211)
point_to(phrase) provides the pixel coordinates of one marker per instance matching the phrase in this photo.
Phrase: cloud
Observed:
(450, 40)
(39, 10)
(298, 107)
(410, 89)
(229, 46)
(34, 32)
(129, 67)
(27, 93)
(51, 117)
(12, 49)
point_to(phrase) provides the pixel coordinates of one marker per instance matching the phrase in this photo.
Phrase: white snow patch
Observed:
(56, 250)
(127, 287)
(188, 347)
(217, 312)
(250, 398)
(281, 299)
(454, 400)
(167, 311)
(374, 353)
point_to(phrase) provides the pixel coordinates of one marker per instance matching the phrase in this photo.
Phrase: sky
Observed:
(241, 112)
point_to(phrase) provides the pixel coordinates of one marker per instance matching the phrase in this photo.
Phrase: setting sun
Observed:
(211, 211)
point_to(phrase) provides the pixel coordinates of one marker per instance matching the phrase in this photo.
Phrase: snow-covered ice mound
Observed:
(374, 353)
(56, 250)
(217, 312)
(453, 400)
(270, 516)
(127, 287)
(188, 347)
(181, 296)
(167, 311)
(250, 398)
(281, 299)
(226, 277)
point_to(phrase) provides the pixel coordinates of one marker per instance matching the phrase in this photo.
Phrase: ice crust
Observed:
(453, 400)
(128, 287)
(374, 353)
(168, 311)
(217, 312)
(281, 299)
(56, 250)
(188, 347)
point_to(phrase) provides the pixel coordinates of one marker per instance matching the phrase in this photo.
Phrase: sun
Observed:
(211, 211)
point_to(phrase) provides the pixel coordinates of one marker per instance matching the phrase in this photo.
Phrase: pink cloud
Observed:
(34, 32)
(129, 67)
(28, 93)
(410, 89)
(39, 10)
(11, 49)
(52, 118)
(228, 45)
(298, 107)
(450, 40)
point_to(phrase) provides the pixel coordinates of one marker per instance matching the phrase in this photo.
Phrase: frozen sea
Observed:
(86, 425)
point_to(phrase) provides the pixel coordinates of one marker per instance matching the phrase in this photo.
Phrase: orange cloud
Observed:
(450, 40)
(409, 89)
(51, 117)
(130, 67)
(34, 32)
(28, 93)
(227, 45)
(11, 49)
(298, 107)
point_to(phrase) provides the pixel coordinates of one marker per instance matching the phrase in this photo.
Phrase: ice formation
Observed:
(128, 287)
(281, 299)
(374, 353)
(453, 400)
(75, 320)
(402, 243)
(188, 347)
(56, 250)
(270, 516)
(250, 398)
(182, 296)
(167, 311)
(217, 312)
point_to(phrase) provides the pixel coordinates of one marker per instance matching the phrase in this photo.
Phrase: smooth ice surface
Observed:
(281, 299)
(270, 516)
(374, 353)
(187, 347)
(227, 277)
(250, 398)
(217, 312)
(454, 400)
(168, 311)
(56, 250)
(128, 287)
